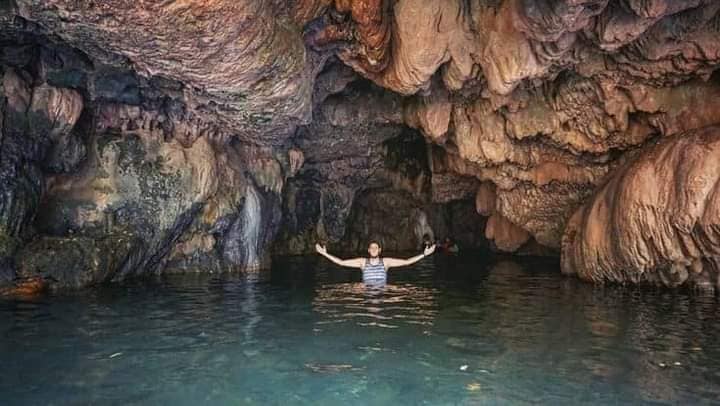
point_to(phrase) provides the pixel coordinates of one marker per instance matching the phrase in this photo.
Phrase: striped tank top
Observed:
(374, 274)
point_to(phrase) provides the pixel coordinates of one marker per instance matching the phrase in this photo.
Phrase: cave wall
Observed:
(539, 98)
(195, 133)
(104, 176)
(655, 221)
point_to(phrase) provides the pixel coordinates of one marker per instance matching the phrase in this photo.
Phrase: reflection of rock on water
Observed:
(390, 307)
(504, 269)
(332, 368)
(475, 345)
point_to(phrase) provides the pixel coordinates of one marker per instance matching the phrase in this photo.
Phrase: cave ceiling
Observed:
(540, 99)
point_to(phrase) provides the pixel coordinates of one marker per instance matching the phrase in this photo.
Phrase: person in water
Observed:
(427, 241)
(374, 268)
(449, 247)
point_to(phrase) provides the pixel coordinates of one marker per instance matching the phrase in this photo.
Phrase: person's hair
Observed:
(375, 241)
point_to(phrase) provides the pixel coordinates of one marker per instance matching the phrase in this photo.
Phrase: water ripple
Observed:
(500, 332)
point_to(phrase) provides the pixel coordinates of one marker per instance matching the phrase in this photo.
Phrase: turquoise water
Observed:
(472, 332)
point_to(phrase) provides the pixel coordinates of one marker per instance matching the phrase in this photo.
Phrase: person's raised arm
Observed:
(395, 262)
(351, 263)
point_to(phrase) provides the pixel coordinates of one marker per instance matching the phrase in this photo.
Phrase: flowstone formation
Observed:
(655, 219)
(538, 100)
(142, 137)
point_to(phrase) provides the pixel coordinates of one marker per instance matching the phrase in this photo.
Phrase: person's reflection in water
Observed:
(374, 268)
(353, 321)
(427, 242)
(390, 306)
(450, 247)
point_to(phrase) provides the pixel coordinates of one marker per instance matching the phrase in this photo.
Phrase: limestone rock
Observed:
(59, 108)
(485, 199)
(241, 63)
(77, 262)
(505, 235)
(656, 218)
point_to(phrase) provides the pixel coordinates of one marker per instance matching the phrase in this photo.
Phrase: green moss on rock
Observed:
(8, 244)
(77, 261)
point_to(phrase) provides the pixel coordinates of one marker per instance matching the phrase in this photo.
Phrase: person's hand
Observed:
(429, 250)
(320, 249)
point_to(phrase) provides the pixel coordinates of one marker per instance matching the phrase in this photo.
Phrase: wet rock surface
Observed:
(108, 178)
(217, 132)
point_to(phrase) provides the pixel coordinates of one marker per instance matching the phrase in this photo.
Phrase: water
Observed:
(499, 332)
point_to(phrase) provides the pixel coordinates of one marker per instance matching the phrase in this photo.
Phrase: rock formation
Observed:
(194, 134)
(655, 219)
(540, 98)
(106, 175)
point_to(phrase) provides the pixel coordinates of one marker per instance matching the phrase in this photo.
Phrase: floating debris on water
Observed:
(473, 386)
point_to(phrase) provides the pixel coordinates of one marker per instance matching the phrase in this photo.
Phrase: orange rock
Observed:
(485, 199)
(507, 236)
(655, 220)
(28, 287)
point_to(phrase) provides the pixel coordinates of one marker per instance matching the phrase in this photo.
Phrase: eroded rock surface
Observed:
(539, 97)
(656, 220)
(106, 177)
(239, 64)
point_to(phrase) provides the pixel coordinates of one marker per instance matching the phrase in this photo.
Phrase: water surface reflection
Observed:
(388, 307)
(488, 331)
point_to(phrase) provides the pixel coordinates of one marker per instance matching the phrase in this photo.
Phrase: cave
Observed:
(521, 154)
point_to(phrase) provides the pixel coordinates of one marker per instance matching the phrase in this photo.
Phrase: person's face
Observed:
(374, 250)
